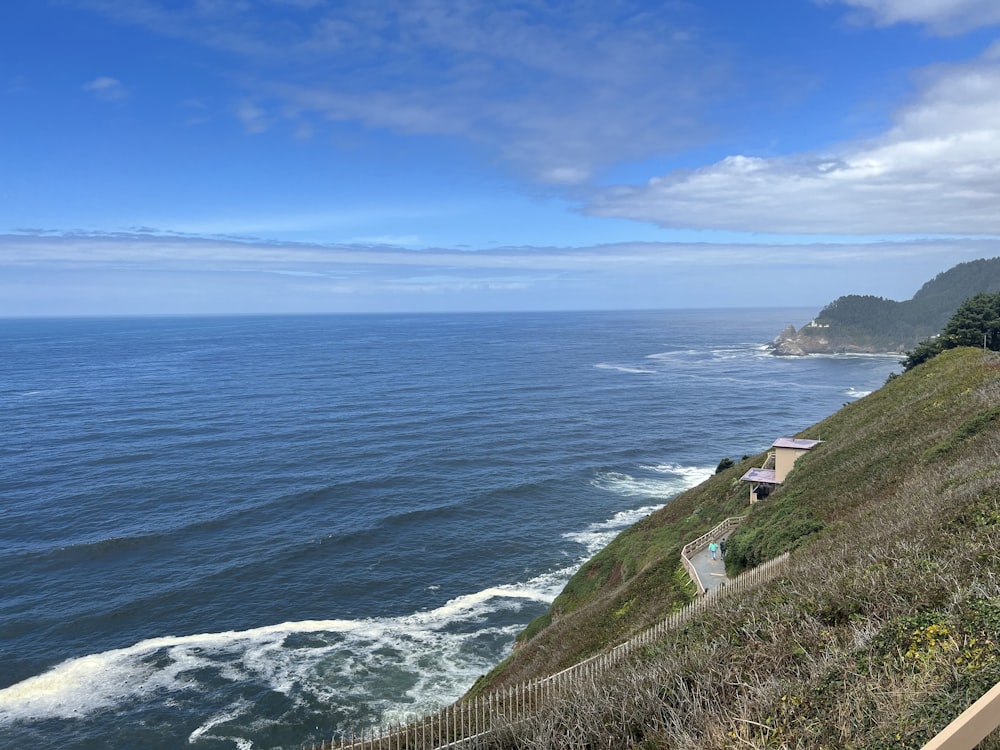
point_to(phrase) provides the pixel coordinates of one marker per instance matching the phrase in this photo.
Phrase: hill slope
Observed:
(886, 628)
(864, 323)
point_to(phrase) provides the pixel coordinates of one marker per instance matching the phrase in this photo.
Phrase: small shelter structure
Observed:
(780, 460)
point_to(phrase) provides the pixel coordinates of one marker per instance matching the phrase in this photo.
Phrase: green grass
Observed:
(629, 585)
(887, 627)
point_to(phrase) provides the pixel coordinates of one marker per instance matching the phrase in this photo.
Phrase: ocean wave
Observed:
(625, 368)
(340, 660)
(676, 354)
(738, 351)
(857, 355)
(695, 475)
(599, 535)
(230, 715)
(627, 485)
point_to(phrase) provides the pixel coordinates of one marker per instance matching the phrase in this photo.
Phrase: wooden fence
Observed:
(460, 724)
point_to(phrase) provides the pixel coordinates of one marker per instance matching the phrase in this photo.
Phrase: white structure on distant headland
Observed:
(775, 469)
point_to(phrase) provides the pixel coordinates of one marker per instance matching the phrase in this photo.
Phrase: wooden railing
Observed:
(972, 725)
(703, 541)
(462, 722)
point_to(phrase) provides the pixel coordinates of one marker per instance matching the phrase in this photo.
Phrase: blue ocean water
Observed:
(254, 532)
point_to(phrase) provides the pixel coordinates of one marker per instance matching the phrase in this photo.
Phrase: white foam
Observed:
(625, 368)
(468, 605)
(599, 535)
(734, 353)
(627, 485)
(82, 685)
(420, 643)
(692, 475)
(858, 355)
(747, 351)
(232, 714)
(855, 393)
(676, 354)
(346, 660)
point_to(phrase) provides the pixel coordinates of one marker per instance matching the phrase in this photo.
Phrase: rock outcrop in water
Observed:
(815, 338)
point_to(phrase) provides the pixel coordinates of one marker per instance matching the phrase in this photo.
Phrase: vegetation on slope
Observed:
(866, 322)
(628, 586)
(886, 628)
(976, 321)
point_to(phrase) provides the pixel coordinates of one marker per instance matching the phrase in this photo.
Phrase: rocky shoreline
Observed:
(815, 338)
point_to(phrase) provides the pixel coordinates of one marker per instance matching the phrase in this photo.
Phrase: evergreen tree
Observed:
(976, 322)
(887, 325)
(924, 351)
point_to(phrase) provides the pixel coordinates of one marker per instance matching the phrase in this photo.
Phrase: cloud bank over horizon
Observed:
(310, 155)
(155, 274)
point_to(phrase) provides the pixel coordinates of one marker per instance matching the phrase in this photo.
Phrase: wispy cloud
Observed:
(343, 222)
(937, 171)
(254, 118)
(941, 16)
(173, 252)
(555, 90)
(106, 88)
(196, 111)
(46, 273)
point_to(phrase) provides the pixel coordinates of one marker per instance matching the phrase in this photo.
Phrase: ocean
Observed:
(255, 532)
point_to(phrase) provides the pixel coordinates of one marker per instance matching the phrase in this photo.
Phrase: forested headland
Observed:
(870, 324)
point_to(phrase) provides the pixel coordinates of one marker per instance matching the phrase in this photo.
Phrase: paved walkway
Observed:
(711, 572)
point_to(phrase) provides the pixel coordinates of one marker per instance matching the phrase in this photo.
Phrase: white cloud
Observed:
(558, 91)
(106, 88)
(389, 240)
(254, 118)
(937, 170)
(942, 16)
(46, 274)
(177, 252)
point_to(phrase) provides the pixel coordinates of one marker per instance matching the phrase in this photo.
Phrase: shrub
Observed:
(726, 463)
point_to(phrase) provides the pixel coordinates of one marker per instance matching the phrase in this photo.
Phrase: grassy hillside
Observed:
(886, 628)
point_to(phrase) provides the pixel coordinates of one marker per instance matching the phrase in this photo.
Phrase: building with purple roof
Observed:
(780, 460)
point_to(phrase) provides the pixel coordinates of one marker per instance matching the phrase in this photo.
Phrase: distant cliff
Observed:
(869, 324)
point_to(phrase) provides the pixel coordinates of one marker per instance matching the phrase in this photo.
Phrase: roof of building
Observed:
(797, 443)
(761, 476)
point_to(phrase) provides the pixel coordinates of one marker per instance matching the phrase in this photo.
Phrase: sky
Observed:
(287, 156)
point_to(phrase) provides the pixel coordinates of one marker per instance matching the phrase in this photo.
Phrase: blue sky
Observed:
(238, 156)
